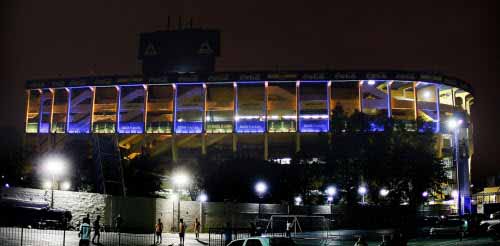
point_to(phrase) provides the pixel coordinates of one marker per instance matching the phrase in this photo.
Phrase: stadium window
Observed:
(313, 113)
(251, 108)
(160, 109)
(403, 103)
(374, 102)
(46, 111)
(345, 95)
(446, 106)
(190, 100)
(33, 111)
(80, 110)
(281, 107)
(105, 107)
(131, 109)
(60, 110)
(427, 110)
(220, 108)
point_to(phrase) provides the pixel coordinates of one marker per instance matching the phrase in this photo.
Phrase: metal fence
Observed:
(217, 236)
(18, 236)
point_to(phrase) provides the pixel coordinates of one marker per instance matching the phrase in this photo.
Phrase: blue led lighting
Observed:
(131, 127)
(247, 126)
(313, 125)
(374, 127)
(79, 127)
(44, 127)
(189, 127)
(426, 126)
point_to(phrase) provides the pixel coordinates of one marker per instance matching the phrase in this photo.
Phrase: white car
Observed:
(453, 227)
(263, 241)
(494, 219)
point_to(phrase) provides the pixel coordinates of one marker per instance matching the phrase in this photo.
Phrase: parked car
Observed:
(32, 214)
(494, 231)
(493, 220)
(263, 241)
(450, 227)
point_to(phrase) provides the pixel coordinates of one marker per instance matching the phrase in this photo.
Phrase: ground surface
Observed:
(33, 237)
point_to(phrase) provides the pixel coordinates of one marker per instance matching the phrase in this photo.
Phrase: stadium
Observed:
(264, 115)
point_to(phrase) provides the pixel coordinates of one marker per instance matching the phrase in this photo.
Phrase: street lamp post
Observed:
(202, 198)
(54, 166)
(180, 180)
(454, 125)
(261, 189)
(331, 191)
(362, 191)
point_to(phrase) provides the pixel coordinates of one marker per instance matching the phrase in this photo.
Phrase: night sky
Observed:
(49, 39)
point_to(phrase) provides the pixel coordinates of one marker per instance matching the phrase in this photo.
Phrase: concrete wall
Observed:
(140, 213)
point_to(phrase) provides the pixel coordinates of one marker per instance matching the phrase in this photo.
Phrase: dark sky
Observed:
(46, 39)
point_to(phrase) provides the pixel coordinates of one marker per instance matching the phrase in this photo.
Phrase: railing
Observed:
(18, 236)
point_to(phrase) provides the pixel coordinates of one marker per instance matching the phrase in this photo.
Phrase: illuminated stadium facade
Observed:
(266, 115)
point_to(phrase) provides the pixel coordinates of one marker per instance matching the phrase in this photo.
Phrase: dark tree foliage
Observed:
(12, 167)
(399, 159)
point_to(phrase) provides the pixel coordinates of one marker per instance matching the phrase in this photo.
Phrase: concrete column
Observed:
(174, 149)
(235, 142)
(297, 141)
(266, 146)
(203, 143)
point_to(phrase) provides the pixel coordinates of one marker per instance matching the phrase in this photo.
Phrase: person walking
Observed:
(158, 232)
(97, 230)
(118, 223)
(84, 233)
(288, 228)
(197, 228)
(228, 234)
(182, 231)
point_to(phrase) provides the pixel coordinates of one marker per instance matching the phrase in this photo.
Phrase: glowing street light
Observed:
(298, 200)
(454, 194)
(384, 192)
(362, 191)
(425, 194)
(180, 180)
(331, 191)
(261, 189)
(202, 197)
(66, 185)
(54, 166)
(454, 123)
